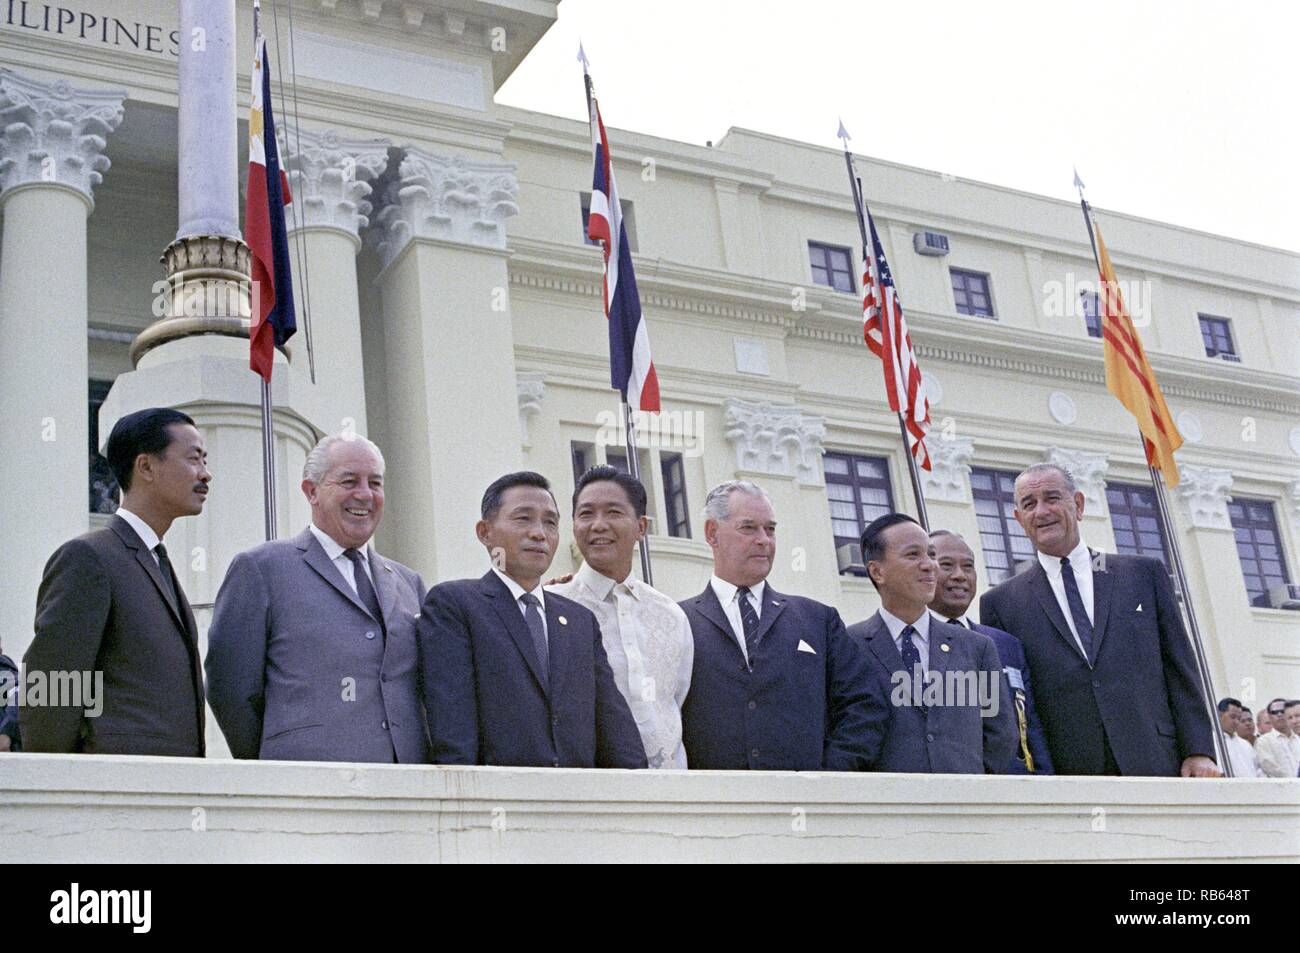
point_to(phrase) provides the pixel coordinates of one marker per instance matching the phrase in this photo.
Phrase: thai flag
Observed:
(268, 193)
(631, 370)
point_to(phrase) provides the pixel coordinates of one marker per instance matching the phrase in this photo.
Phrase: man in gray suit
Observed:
(312, 649)
(111, 617)
(950, 705)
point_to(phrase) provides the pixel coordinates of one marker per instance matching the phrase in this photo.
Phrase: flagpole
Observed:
(268, 436)
(859, 205)
(629, 428)
(1175, 551)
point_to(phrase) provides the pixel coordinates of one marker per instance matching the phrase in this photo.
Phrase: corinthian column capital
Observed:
(53, 133)
(329, 177)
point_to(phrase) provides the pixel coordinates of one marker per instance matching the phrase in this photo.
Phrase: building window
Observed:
(1258, 546)
(629, 220)
(1135, 519)
(1004, 543)
(832, 266)
(1216, 333)
(858, 490)
(673, 470)
(1091, 303)
(970, 292)
(584, 458)
(103, 487)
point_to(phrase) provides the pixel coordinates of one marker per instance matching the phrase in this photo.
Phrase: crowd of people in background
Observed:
(321, 649)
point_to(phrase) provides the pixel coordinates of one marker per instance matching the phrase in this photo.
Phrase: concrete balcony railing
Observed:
(74, 808)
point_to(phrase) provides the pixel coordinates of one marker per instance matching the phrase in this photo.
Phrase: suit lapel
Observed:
(145, 558)
(773, 605)
(881, 644)
(558, 637)
(1102, 588)
(385, 587)
(1042, 590)
(708, 605)
(508, 612)
(314, 555)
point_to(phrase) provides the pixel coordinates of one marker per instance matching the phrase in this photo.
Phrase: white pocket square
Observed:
(1139, 608)
(805, 647)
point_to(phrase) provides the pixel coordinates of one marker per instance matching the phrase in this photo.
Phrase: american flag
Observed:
(631, 369)
(885, 331)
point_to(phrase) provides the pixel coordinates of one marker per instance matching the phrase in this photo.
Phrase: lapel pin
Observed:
(944, 646)
(388, 568)
(563, 621)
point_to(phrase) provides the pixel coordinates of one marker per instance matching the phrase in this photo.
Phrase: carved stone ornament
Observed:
(329, 176)
(777, 439)
(1089, 472)
(1204, 492)
(946, 480)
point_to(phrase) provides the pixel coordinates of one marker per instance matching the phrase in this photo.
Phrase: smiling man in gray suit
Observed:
(312, 649)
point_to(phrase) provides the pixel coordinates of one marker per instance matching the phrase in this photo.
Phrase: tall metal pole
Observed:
(855, 185)
(1175, 551)
(268, 433)
(634, 467)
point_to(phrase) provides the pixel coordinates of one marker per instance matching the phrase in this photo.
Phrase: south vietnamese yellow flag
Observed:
(1129, 376)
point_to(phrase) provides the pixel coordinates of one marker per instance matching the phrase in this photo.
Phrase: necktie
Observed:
(1081, 623)
(364, 589)
(533, 616)
(168, 577)
(748, 622)
(957, 622)
(911, 656)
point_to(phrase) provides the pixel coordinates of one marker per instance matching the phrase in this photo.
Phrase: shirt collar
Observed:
(897, 625)
(1080, 561)
(601, 585)
(333, 548)
(517, 591)
(726, 592)
(964, 620)
(142, 529)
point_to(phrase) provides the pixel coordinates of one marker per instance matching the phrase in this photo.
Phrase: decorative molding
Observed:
(55, 133)
(1062, 408)
(751, 356)
(947, 480)
(1294, 490)
(1293, 440)
(775, 439)
(1189, 425)
(329, 178)
(1088, 470)
(447, 198)
(1204, 492)
(531, 388)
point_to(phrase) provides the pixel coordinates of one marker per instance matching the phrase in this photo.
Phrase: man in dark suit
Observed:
(312, 650)
(954, 591)
(951, 709)
(513, 675)
(1115, 672)
(777, 683)
(110, 603)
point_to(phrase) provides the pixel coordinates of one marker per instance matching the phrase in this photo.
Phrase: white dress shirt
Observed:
(1279, 754)
(921, 638)
(518, 592)
(143, 530)
(1245, 763)
(728, 595)
(651, 651)
(334, 551)
(1081, 564)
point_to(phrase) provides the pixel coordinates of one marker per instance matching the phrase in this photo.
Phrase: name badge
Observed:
(1015, 678)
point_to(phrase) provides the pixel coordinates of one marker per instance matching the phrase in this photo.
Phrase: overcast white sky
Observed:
(1176, 110)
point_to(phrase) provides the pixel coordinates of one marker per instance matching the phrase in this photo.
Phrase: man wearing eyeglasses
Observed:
(1279, 750)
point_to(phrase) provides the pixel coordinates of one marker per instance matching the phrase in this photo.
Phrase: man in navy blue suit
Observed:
(513, 675)
(950, 705)
(1117, 679)
(777, 682)
(954, 591)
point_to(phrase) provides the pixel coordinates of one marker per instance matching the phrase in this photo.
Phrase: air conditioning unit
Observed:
(1284, 597)
(934, 244)
(849, 556)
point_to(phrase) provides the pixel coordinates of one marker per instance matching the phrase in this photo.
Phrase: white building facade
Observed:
(457, 321)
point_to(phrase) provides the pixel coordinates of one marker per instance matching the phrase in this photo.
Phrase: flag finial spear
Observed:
(582, 57)
(1078, 182)
(844, 136)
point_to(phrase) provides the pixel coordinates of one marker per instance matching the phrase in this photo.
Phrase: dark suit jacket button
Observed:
(384, 725)
(929, 737)
(1096, 683)
(370, 635)
(753, 753)
(555, 763)
(555, 719)
(753, 705)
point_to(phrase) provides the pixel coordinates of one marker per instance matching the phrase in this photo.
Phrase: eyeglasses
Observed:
(1277, 711)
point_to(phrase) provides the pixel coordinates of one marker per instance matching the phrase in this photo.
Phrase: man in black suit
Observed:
(950, 705)
(777, 683)
(513, 675)
(1115, 675)
(110, 603)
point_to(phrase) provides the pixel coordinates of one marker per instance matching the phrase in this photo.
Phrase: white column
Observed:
(208, 120)
(51, 158)
(453, 421)
(328, 178)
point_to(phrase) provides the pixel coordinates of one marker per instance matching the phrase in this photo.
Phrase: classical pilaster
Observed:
(329, 178)
(52, 141)
(532, 389)
(453, 424)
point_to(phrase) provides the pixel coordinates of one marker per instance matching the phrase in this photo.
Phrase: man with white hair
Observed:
(777, 684)
(312, 652)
